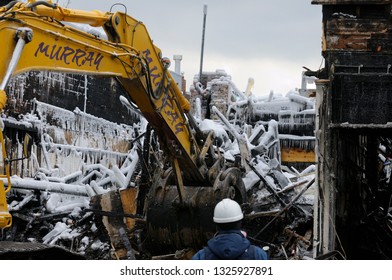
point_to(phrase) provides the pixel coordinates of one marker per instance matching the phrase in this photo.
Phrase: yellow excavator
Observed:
(178, 204)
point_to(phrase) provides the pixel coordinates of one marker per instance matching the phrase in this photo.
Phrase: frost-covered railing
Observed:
(74, 138)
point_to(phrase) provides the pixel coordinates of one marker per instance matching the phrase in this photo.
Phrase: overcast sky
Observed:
(269, 41)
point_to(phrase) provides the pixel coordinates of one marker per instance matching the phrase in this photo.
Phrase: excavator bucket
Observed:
(5, 216)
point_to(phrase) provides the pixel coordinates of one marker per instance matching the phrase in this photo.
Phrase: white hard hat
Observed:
(227, 211)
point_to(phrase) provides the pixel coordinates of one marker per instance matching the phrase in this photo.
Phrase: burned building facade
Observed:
(86, 109)
(354, 130)
(93, 95)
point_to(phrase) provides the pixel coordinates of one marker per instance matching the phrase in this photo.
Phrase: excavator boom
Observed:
(129, 55)
(182, 197)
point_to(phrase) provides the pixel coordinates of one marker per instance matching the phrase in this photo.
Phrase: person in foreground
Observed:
(229, 243)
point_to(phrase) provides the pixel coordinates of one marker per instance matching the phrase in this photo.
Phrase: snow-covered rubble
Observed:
(69, 167)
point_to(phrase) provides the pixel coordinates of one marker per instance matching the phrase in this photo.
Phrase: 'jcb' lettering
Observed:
(69, 55)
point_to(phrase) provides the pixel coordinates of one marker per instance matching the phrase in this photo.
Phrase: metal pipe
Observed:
(202, 41)
(24, 35)
(47, 186)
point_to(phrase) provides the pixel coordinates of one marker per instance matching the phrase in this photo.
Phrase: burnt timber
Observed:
(354, 130)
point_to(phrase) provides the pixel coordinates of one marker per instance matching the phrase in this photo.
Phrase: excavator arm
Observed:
(38, 40)
(182, 199)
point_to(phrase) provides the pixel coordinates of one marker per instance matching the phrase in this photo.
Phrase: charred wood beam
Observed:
(297, 236)
(287, 207)
(361, 126)
(136, 217)
(262, 214)
(267, 184)
(294, 185)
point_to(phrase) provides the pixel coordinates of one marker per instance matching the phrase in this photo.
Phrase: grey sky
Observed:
(269, 41)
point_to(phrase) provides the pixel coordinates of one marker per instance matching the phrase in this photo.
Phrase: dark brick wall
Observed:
(68, 91)
(362, 99)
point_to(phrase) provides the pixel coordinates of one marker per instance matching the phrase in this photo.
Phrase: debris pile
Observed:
(50, 204)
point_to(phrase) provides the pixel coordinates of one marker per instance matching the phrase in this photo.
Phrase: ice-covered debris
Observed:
(132, 109)
(276, 170)
(310, 170)
(65, 203)
(17, 205)
(306, 199)
(295, 97)
(293, 102)
(199, 88)
(98, 244)
(262, 168)
(25, 122)
(31, 184)
(266, 140)
(218, 73)
(250, 180)
(93, 227)
(72, 172)
(249, 87)
(219, 131)
(119, 178)
(84, 242)
(54, 234)
(76, 213)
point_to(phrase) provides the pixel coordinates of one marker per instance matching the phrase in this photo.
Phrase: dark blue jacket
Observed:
(230, 245)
